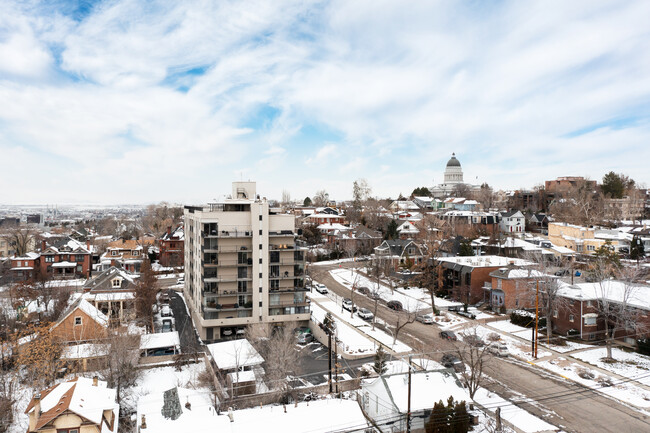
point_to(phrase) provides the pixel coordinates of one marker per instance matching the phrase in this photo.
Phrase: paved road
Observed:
(566, 404)
(189, 340)
(314, 364)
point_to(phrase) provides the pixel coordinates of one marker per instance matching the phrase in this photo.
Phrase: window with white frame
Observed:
(555, 314)
(590, 320)
(116, 283)
(571, 318)
(78, 320)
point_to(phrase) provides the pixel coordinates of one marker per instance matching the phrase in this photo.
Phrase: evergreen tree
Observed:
(465, 248)
(380, 361)
(449, 418)
(306, 202)
(637, 250)
(391, 230)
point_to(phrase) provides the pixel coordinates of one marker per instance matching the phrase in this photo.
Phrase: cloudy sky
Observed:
(133, 101)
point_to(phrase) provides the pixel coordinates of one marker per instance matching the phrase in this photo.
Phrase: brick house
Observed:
(514, 288)
(172, 247)
(24, 268)
(468, 279)
(128, 254)
(80, 405)
(66, 258)
(398, 252)
(81, 322)
(579, 314)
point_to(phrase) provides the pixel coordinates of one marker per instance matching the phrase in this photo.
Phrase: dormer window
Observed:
(116, 283)
(136, 253)
(113, 253)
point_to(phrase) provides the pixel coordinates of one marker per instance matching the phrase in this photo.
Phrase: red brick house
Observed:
(468, 279)
(514, 288)
(66, 258)
(172, 247)
(24, 268)
(580, 314)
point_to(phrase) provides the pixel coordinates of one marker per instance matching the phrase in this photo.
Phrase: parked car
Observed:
(427, 319)
(304, 338)
(498, 349)
(363, 290)
(452, 361)
(449, 335)
(302, 330)
(474, 340)
(320, 288)
(348, 305)
(165, 311)
(167, 325)
(466, 314)
(365, 314)
(164, 298)
(395, 305)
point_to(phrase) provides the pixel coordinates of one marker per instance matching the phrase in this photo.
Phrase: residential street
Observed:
(186, 333)
(568, 405)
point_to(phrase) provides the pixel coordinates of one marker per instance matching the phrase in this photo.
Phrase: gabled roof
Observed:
(397, 246)
(103, 281)
(177, 235)
(80, 397)
(234, 354)
(86, 307)
(511, 214)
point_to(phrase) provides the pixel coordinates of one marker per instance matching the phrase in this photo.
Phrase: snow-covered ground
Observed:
(568, 347)
(512, 413)
(353, 342)
(331, 262)
(516, 347)
(631, 365)
(623, 391)
(323, 303)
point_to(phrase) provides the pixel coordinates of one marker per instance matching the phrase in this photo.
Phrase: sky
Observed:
(134, 101)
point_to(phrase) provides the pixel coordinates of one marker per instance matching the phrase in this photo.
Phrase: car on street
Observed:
(427, 319)
(365, 314)
(165, 311)
(452, 361)
(448, 335)
(467, 314)
(395, 305)
(348, 305)
(304, 338)
(167, 325)
(320, 288)
(498, 349)
(363, 290)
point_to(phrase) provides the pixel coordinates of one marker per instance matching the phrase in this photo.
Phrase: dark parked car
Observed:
(449, 335)
(363, 290)
(452, 361)
(467, 314)
(395, 305)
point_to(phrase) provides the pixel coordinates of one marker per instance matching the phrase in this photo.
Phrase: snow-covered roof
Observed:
(64, 264)
(242, 376)
(160, 340)
(79, 396)
(86, 350)
(484, 261)
(199, 417)
(634, 295)
(234, 354)
(334, 226)
(516, 273)
(104, 297)
(426, 387)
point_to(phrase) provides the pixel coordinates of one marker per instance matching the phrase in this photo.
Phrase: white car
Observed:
(365, 314)
(425, 318)
(320, 288)
(499, 349)
(165, 311)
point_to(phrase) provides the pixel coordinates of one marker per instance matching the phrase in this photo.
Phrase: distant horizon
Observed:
(142, 102)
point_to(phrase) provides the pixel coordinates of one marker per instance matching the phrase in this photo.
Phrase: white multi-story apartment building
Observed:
(242, 265)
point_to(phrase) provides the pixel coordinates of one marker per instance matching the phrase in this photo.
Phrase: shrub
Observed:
(586, 374)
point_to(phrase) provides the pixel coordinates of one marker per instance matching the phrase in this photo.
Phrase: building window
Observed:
(77, 320)
(49, 259)
(116, 283)
(260, 290)
(570, 317)
(260, 275)
(260, 260)
(260, 217)
(555, 314)
(260, 232)
(260, 301)
(590, 304)
(113, 253)
(68, 430)
(260, 246)
(590, 321)
(136, 253)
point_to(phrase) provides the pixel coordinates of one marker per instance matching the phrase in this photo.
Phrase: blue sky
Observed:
(130, 101)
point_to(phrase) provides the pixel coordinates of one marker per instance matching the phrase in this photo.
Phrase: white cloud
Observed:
(397, 90)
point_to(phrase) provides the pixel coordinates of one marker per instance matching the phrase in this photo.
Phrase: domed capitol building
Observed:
(453, 178)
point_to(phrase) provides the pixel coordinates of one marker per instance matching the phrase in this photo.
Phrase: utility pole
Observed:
(336, 365)
(329, 356)
(536, 317)
(408, 410)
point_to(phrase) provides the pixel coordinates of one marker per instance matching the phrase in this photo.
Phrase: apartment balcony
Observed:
(224, 249)
(278, 233)
(235, 233)
(289, 290)
(225, 312)
(281, 276)
(225, 293)
(287, 247)
(288, 310)
(281, 261)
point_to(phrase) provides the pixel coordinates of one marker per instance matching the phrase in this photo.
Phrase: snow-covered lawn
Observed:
(631, 365)
(623, 391)
(324, 303)
(331, 262)
(517, 416)
(507, 326)
(353, 342)
(568, 347)
(347, 279)
(516, 347)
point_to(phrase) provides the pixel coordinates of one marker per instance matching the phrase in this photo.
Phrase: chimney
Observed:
(143, 423)
(95, 380)
(43, 245)
(169, 231)
(35, 414)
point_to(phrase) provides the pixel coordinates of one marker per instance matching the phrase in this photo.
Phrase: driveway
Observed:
(189, 339)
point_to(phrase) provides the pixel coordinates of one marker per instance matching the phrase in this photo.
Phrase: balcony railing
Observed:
(281, 233)
(288, 304)
(225, 313)
(234, 233)
(226, 249)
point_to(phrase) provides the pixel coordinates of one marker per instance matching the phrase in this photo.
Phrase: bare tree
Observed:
(21, 239)
(549, 288)
(404, 317)
(321, 198)
(614, 300)
(473, 353)
(277, 345)
(39, 355)
(375, 291)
